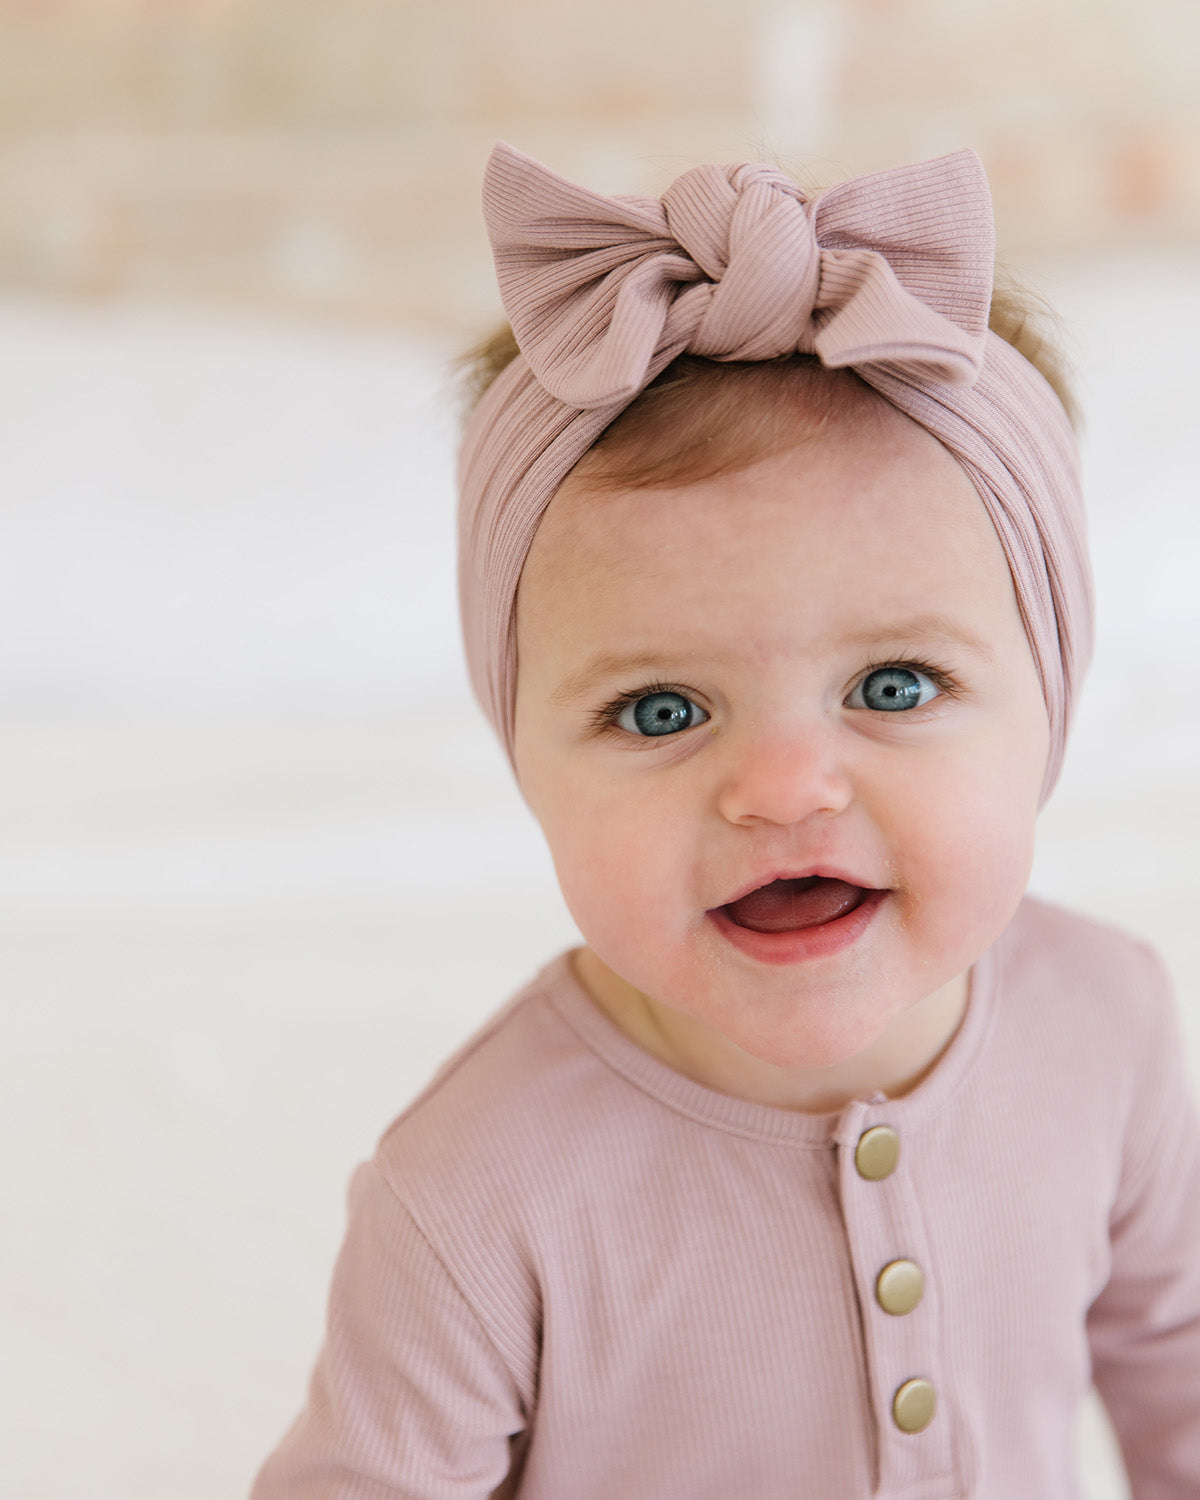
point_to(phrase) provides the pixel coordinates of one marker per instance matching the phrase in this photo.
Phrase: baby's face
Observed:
(809, 676)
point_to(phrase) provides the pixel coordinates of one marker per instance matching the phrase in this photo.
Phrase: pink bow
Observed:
(735, 264)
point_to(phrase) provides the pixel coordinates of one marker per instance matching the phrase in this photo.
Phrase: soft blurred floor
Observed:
(261, 866)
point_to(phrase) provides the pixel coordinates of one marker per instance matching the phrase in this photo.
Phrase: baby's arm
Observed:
(409, 1399)
(1144, 1327)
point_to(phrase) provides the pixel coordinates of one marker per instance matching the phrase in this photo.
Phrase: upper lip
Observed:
(827, 872)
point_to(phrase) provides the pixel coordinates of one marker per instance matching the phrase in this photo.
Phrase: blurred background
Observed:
(261, 865)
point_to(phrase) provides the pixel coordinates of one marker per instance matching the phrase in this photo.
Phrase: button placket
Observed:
(899, 1304)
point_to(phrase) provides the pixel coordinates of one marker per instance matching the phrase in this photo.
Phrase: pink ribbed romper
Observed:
(574, 1274)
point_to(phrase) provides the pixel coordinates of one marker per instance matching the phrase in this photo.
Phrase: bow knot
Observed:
(734, 263)
(747, 230)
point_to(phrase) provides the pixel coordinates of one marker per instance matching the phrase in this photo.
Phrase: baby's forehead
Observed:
(885, 528)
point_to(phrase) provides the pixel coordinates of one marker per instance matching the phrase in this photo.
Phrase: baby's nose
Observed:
(783, 777)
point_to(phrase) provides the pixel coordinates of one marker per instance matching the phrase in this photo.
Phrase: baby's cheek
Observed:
(618, 875)
(980, 871)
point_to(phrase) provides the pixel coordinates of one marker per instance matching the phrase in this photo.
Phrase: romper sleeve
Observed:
(410, 1399)
(1144, 1328)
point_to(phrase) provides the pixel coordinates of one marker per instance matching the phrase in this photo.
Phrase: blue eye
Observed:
(656, 714)
(892, 689)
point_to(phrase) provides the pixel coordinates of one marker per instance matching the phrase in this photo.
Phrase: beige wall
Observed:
(327, 153)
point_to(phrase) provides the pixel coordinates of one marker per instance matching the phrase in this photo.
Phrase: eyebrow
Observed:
(607, 664)
(927, 627)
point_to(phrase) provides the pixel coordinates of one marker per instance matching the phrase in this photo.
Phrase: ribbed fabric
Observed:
(890, 274)
(573, 1274)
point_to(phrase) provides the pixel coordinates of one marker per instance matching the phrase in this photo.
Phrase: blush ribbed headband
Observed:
(890, 274)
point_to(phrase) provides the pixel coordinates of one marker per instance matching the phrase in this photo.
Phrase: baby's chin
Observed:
(816, 1056)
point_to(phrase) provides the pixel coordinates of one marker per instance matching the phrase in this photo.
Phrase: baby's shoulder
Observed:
(1047, 937)
(490, 1129)
(1083, 976)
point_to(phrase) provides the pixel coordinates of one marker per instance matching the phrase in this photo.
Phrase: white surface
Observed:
(262, 866)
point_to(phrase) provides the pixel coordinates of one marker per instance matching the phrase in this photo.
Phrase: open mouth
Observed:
(797, 921)
(793, 905)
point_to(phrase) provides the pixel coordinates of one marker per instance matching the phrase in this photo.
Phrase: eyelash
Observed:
(941, 679)
(603, 720)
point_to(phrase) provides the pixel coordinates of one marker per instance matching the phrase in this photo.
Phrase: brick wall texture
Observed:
(326, 154)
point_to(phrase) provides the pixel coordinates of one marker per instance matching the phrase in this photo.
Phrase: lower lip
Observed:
(803, 942)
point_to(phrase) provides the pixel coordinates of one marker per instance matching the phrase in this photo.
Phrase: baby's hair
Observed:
(702, 417)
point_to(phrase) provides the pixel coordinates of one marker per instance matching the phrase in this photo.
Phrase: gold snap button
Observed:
(913, 1406)
(877, 1153)
(899, 1287)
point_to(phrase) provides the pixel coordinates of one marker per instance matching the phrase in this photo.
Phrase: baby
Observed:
(832, 1166)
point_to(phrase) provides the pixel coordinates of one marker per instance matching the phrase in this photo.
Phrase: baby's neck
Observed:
(893, 1065)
